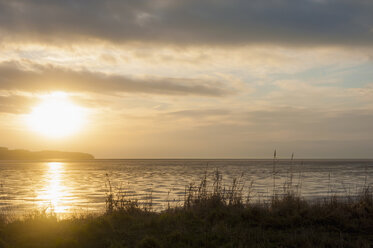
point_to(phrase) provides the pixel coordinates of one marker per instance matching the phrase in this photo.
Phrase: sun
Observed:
(56, 116)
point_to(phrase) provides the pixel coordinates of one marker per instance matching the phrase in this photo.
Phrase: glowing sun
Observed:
(56, 116)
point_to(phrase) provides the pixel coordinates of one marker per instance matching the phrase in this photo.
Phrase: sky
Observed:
(192, 79)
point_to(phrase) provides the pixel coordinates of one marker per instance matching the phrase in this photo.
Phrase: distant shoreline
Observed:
(19, 154)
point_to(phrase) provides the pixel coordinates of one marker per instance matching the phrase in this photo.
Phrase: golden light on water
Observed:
(54, 191)
(56, 116)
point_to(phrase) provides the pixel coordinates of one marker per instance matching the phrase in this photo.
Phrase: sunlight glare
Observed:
(56, 116)
(54, 190)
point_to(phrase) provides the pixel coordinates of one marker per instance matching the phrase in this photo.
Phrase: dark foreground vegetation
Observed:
(208, 217)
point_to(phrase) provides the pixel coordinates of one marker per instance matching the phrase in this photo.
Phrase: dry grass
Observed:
(212, 215)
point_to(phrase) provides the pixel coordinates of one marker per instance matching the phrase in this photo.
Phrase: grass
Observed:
(211, 216)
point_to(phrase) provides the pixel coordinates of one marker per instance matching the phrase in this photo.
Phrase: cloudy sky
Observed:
(193, 79)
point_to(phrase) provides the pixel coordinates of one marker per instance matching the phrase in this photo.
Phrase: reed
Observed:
(211, 215)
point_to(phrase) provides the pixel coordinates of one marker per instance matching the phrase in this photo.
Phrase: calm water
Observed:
(71, 187)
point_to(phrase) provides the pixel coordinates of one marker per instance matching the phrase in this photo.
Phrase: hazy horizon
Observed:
(278, 157)
(188, 79)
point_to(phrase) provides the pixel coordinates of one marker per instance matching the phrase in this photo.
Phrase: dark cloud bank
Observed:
(292, 22)
(49, 78)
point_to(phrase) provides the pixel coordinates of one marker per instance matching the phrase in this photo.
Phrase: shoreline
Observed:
(219, 219)
(211, 215)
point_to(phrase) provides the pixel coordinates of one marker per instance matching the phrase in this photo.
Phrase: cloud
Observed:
(14, 77)
(286, 124)
(199, 113)
(286, 22)
(16, 104)
(318, 96)
(255, 133)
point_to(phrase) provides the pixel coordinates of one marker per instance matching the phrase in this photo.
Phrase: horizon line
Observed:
(243, 158)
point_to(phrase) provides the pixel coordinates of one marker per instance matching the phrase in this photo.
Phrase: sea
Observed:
(75, 187)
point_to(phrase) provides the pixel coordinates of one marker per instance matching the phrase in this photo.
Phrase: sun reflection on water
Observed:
(52, 195)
